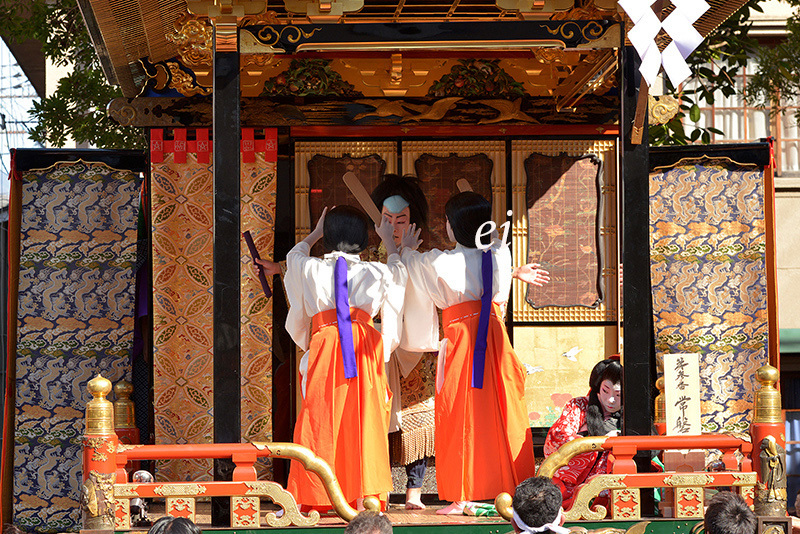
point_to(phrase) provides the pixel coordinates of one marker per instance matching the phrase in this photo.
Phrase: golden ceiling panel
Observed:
(393, 76)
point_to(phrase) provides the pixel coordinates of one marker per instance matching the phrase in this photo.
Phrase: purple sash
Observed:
(479, 354)
(343, 320)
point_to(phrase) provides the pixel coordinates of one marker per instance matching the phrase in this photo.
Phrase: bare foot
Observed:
(414, 499)
(454, 508)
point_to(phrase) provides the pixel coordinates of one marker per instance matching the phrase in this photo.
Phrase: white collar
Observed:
(554, 526)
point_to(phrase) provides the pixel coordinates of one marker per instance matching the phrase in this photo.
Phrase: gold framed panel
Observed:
(495, 150)
(305, 150)
(606, 150)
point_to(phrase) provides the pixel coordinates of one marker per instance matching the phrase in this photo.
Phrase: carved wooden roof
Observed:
(126, 33)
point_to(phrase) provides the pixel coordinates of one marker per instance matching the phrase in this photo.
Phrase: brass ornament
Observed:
(660, 402)
(745, 479)
(97, 501)
(580, 505)
(183, 82)
(662, 108)
(684, 510)
(121, 112)
(564, 454)
(240, 520)
(270, 35)
(632, 495)
(122, 447)
(99, 410)
(194, 39)
(284, 499)
(504, 505)
(125, 491)
(770, 495)
(123, 406)
(591, 31)
(312, 462)
(768, 398)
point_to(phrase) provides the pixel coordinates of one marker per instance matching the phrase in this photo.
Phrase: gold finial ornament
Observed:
(661, 403)
(99, 410)
(504, 505)
(768, 398)
(123, 406)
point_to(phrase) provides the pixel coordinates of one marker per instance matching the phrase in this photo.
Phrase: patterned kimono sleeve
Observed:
(564, 430)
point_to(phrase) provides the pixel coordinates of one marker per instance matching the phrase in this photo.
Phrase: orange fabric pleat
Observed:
(345, 422)
(483, 437)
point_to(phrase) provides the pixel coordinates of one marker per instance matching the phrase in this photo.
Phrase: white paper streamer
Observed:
(678, 25)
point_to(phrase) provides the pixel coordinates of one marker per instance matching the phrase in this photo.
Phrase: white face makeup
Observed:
(610, 397)
(399, 221)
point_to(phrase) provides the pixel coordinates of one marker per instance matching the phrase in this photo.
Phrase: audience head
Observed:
(537, 502)
(466, 212)
(369, 522)
(346, 229)
(174, 525)
(728, 513)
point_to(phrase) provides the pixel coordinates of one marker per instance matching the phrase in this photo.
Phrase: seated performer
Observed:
(728, 513)
(483, 439)
(598, 414)
(344, 418)
(537, 507)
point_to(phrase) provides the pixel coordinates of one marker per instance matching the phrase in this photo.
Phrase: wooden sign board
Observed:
(682, 393)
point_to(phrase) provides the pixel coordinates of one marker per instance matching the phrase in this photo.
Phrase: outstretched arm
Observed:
(532, 274)
(316, 233)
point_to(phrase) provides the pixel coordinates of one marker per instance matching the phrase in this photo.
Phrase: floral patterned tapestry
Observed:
(75, 320)
(709, 281)
(183, 378)
(563, 198)
(258, 191)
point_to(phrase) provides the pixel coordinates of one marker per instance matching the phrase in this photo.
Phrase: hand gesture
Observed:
(532, 274)
(269, 268)
(316, 234)
(410, 238)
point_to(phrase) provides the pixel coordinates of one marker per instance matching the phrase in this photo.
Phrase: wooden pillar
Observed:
(227, 235)
(638, 347)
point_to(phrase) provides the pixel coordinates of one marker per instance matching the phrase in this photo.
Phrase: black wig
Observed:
(610, 370)
(467, 212)
(345, 230)
(407, 187)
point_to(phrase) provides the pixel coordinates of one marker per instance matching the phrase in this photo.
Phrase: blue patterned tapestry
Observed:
(75, 320)
(709, 280)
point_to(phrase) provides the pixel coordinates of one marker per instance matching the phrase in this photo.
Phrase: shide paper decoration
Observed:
(678, 25)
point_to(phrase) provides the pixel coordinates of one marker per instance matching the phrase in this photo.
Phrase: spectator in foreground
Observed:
(537, 507)
(174, 525)
(728, 513)
(369, 522)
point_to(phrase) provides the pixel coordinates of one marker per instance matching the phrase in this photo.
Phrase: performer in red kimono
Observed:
(483, 439)
(598, 414)
(344, 418)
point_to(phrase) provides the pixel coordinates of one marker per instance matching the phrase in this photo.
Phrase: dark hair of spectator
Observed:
(174, 525)
(406, 186)
(346, 229)
(728, 513)
(369, 522)
(467, 212)
(610, 370)
(537, 501)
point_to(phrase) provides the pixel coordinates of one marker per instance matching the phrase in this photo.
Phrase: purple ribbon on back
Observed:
(479, 353)
(343, 320)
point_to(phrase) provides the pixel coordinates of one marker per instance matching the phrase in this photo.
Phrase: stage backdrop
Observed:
(182, 200)
(709, 279)
(74, 318)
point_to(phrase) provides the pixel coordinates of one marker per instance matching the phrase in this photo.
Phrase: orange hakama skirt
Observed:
(483, 437)
(344, 421)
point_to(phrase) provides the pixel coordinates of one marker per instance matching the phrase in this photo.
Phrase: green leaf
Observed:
(694, 113)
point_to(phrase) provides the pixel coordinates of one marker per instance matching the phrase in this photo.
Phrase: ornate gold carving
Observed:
(689, 502)
(265, 17)
(194, 40)
(93, 443)
(507, 111)
(662, 108)
(768, 398)
(626, 496)
(580, 506)
(183, 82)
(311, 462)
(745, 479)
(99, 410)
(125, 491)
(97, 501)
(122, 513)
(660, 402)
(245, 512)
(562, 456)
(179, 489)
(122, 447)
(395, 77)
(291, 514)
(181, 505)
(698, 479)
(590, 31)
(270, 36)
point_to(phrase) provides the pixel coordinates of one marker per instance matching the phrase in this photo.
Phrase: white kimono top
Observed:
(372, 287)
(440, 279)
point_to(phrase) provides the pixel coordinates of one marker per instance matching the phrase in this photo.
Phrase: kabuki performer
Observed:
(483, 439)
(598, 414)
(344, 418)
